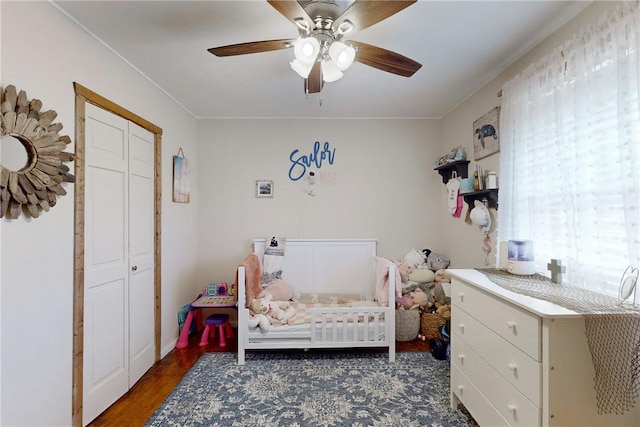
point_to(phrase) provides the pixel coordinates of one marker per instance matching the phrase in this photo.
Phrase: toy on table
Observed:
(216, 294)
(212, 296)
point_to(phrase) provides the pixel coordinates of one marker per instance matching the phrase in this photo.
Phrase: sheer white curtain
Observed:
(570, 154)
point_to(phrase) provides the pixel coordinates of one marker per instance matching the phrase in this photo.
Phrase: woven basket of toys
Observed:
(431, 321)
(407, 324)
(430, 324)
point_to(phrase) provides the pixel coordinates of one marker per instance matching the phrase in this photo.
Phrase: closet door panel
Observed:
(106, 279)
(141, 244)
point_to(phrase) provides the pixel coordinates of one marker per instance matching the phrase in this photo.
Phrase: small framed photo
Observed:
(264, 188)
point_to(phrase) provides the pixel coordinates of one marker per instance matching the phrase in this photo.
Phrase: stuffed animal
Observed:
(258, 320)
(280, 311)
(444, 311)
(404, 270)
(419, 299)
(403, 302)
(443, 276)
(258, 314)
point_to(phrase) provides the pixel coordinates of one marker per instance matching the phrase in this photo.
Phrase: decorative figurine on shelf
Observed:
(455, 155)
(556, 268)
(460, 154)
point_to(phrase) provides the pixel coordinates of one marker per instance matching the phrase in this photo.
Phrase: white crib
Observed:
(323, 266)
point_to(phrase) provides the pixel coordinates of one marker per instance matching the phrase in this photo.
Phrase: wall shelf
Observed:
(491, 195)
(461, 167)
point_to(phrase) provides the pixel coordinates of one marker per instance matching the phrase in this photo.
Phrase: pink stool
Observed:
(224, 328)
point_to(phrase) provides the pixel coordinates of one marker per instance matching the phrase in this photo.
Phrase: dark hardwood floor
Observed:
(134, 408)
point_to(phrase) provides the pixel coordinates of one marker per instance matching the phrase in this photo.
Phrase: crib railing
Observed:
(348, 325)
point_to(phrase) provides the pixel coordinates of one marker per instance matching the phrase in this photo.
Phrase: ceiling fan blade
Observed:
(384, 60)
(314, 83)
(365, 13)
(252, 47)
(291, 10)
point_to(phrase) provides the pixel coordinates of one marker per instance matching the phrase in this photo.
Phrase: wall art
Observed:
(34, 182)
(264, 188)
(181, 180)
(486, 134)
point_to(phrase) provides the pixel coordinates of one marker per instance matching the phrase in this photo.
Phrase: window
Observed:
(570, 154)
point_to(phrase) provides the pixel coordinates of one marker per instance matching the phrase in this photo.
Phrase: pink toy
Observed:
(221, 321)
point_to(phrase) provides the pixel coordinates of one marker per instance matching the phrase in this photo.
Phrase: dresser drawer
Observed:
(510, 403)
(519, 327)
(475, 402)
(517, 367)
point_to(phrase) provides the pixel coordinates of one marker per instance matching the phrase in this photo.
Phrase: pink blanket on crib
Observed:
(382, 281)
(253, 273)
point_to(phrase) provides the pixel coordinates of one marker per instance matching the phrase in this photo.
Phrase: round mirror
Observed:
(13, 154)
(32, 156)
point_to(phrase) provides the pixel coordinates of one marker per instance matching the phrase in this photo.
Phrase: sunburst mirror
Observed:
(32, 156)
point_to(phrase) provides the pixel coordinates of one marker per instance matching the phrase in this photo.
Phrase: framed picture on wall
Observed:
(486, 134)
(264, 188)
(181, 181)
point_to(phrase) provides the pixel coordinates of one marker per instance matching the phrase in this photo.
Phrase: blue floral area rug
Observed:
(313, 389)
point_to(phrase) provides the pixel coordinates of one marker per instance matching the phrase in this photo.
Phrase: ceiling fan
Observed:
(320, 55)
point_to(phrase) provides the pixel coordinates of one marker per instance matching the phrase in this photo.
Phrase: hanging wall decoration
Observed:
(486, 134)
(181, 181)
(31, 175)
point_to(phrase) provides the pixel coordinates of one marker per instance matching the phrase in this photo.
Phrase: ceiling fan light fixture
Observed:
(302, 24)
(342, 54)
(306, 50)
(330, 71)
(300, 68)
(345, 27)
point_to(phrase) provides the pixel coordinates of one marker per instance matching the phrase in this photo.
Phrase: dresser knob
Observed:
(460, 387)
(461, 327)
(461, 357)
(461, 296)
(512, 408)
(511, 324)
(513, 366)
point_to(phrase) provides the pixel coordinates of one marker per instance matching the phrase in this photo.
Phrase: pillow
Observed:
(319, 298)
(279, 290)
(423, 275)
(272, 260)
(363, 304)
(414, 258)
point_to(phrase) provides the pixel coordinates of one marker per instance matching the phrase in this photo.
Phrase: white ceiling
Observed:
(461, 45)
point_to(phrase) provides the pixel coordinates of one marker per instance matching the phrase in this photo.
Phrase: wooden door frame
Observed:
(84, 95)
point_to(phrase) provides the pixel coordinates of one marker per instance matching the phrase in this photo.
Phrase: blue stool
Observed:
(221, 321)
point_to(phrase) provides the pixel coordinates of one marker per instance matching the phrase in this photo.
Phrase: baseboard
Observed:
(168, 348)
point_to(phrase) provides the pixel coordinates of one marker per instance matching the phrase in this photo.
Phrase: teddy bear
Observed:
(442, 276)
(279, 311)
(419, 299)
(258, 320)
(258, 314)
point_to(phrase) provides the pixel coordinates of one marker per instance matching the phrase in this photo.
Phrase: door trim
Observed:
(84, 95)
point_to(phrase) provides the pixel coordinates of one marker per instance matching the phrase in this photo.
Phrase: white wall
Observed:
(462, 241)
(385, 186)
(43, 53)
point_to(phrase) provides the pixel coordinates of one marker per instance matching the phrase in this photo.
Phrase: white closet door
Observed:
(141, 252)
(106, 274)
(119, 345)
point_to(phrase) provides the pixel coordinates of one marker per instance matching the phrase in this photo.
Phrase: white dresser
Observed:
(521, 361)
